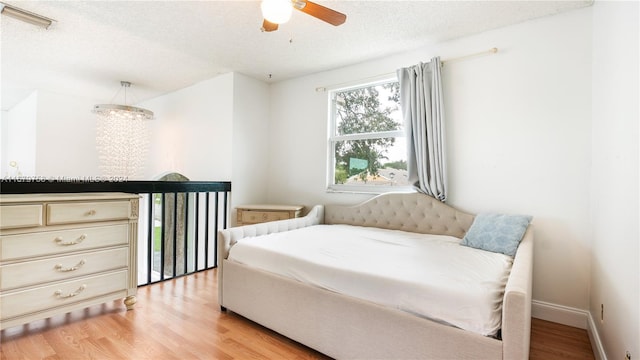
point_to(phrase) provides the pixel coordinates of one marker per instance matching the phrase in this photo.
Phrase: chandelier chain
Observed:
(115, 96)
(123, 85)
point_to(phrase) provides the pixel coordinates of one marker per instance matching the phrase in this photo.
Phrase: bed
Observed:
(352, 325)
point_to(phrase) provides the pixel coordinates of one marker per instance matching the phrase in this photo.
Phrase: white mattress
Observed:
(428, 275)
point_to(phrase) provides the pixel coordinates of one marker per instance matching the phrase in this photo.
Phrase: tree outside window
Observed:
(367, 147)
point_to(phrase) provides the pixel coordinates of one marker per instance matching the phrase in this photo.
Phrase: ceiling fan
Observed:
(277, 12)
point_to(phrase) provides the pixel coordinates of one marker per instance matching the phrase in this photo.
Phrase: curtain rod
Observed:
(486, 52)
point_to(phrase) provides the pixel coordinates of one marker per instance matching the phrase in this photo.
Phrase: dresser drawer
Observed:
(61, 241)
(51, 296)
(263, 216)
(17, 216)
(62, 268)
(79, 212)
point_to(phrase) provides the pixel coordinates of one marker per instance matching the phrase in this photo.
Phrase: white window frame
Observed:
(332, 139)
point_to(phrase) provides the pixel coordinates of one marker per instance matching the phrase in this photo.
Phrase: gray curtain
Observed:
(423, 113)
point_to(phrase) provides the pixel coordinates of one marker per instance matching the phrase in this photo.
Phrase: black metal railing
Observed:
(177, 226)
(180, 229)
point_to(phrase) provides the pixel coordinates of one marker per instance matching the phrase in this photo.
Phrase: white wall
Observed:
(250, 142)
(519, 141)
(615, 269)
(191, 130)
(4, 162)
(19, 137)
(51, 135)
(518, 131)
(66, 137)
(215, 130)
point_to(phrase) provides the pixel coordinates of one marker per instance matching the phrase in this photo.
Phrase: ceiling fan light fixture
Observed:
(276, 11)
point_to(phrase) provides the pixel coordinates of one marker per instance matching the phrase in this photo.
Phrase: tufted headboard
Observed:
(414, 212)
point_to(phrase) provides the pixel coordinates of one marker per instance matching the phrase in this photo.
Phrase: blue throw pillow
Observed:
(497, 233)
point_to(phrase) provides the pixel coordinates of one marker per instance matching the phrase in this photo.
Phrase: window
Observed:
(367, 147)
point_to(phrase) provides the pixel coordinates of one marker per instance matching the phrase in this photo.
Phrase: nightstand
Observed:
(254, 214)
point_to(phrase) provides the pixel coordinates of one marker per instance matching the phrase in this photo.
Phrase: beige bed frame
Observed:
(344, 327)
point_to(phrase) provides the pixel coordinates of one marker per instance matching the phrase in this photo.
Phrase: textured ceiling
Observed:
(162, 46)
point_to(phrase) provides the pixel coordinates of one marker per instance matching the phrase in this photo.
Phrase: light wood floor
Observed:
(180, 319)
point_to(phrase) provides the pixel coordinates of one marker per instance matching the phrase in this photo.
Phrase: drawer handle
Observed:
(61, 241)
(73, 268)
(91, 212)
(58, 293)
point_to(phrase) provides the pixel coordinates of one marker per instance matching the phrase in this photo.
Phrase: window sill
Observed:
(374, 190)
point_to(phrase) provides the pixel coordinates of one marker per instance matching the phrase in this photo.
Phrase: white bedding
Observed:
(427, 275)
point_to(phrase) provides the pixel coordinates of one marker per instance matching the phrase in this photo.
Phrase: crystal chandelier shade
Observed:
(122, 139)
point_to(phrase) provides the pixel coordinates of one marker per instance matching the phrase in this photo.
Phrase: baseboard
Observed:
(569, 316)
(560, 314)
(594, 338)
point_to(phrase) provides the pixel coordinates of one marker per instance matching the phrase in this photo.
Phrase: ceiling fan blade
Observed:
(269, 26)
(318, 11)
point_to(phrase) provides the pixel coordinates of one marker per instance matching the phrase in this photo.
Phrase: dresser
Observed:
(254, 214)
(63, 252)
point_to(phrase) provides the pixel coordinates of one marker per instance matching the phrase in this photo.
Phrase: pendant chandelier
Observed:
(121, 138)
